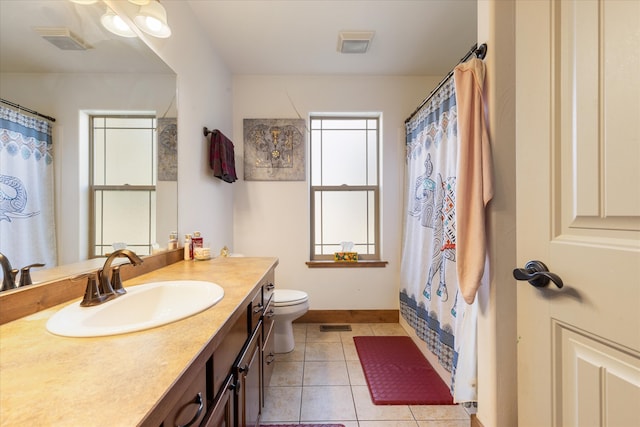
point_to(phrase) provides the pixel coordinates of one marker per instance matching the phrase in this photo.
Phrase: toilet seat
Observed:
(287, 297)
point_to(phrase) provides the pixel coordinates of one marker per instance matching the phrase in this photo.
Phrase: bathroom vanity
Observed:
(209, 369)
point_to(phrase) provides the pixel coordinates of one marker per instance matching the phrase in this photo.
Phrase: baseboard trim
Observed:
(475, 422)
(350, 316)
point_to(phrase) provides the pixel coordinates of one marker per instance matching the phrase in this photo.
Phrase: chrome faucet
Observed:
(9, 280)
(105, 275)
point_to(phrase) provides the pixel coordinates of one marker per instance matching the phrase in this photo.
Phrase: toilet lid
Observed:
(282, 297)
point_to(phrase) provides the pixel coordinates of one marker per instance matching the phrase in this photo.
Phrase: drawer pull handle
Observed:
(198, 401)
(258, 308)
(270, 358)
(270, 313)
(270, 287)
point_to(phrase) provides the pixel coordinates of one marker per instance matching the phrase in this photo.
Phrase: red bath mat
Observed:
(397, 373)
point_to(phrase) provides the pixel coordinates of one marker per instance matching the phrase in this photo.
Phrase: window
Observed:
(122, 183)
(345, 194)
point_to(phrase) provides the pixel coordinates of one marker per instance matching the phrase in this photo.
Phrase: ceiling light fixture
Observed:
(354, 41)
(112, 22)
(152, 19)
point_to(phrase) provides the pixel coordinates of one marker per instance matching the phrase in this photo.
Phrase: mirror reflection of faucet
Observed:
(10, 274)
(106, 284)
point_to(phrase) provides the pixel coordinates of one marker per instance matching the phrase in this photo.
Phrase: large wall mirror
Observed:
(57, 59)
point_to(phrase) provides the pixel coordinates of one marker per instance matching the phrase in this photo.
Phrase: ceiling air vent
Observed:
(62, 38)
(354, 42)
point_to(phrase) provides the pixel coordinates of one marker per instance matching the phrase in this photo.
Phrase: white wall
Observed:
(497, 337)
(204, 99)
(64, 96)
(272, 217)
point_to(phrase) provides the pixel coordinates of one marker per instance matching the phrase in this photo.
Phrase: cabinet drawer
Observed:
(222, 414)
(267, 318)
(192, 406)
(228, 351)
(268, 355)
(249, 382)
(268, 286)
(255, 310)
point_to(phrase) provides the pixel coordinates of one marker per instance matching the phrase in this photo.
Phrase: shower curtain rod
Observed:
(28, 110)
(479, 52)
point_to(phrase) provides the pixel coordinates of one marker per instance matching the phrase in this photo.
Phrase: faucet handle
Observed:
(92, 294)
(25, 274)
(116, 281)
(9, 281)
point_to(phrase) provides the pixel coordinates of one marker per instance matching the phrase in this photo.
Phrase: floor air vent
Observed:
(334, 328)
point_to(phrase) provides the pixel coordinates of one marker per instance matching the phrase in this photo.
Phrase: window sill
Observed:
(334, 264)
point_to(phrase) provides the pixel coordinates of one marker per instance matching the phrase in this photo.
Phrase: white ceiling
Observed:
(412, 37)
(23, 50)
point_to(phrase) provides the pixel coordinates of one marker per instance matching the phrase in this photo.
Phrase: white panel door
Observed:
(578, 211)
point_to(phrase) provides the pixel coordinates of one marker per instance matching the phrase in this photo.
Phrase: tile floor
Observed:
(321, 381)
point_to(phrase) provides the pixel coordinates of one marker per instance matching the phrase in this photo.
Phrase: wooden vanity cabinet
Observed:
(226, 387)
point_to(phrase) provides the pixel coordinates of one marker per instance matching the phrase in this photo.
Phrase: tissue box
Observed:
(345, 256)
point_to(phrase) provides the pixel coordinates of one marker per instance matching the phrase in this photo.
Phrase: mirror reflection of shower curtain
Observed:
(27, 224)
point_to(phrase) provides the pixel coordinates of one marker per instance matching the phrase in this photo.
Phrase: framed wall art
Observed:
(274, 149)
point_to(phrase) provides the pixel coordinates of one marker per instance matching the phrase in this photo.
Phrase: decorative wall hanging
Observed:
(274, 150)
(167, 129)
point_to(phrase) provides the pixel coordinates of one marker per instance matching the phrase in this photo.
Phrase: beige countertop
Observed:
(48, 380)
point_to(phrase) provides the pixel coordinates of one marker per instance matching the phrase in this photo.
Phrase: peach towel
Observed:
(475, 177)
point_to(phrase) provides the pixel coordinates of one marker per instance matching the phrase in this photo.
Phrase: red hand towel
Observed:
(221, 157)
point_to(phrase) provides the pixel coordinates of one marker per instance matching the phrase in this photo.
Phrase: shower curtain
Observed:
(27, 226)
(430, 297)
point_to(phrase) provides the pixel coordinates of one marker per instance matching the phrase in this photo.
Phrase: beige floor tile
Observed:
(356, 375)
(296, 355)
(388, 329)
(282, 404)
(367, 411)
(319, 358)
(299, 332)
(439, 412)
(388, 423)
(357, 329)
(287, 374)
(449, 423)
(327, 403)
(314, 334)
(316, 351)
(323, 421)
(350, 352)
(325, 373)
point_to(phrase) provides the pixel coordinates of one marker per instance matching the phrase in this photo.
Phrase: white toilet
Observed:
(288, 305)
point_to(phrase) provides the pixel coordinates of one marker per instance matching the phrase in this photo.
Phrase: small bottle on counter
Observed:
(197, 241)
(188, 248)
(173, 240)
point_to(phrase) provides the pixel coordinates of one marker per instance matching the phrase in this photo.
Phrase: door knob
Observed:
(536, 273)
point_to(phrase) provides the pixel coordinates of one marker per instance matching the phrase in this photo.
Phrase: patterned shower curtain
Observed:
(27, 226)
(430, 300)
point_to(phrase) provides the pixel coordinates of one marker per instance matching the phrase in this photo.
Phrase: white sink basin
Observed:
(142, 307)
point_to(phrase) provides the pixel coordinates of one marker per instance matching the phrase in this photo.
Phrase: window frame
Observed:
(102, 189)
(375, 255)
